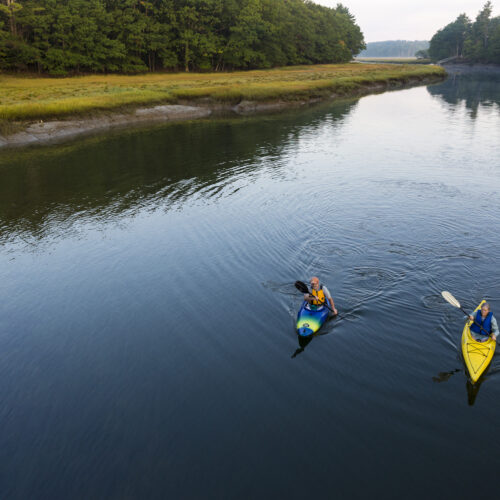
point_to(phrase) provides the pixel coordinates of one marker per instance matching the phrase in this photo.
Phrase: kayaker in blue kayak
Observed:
(488, 322)
(319, 295)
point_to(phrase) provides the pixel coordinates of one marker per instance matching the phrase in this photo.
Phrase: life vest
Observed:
(320, 296)
(486, 323)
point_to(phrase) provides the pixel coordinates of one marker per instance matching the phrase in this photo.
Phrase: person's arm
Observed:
(328, 296)
(494, 328)
(333, 306)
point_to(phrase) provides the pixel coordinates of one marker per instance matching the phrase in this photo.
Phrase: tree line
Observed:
(477, 41)
(62, 37)
(394, 48)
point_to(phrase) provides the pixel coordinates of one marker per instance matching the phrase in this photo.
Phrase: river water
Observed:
(147, 305)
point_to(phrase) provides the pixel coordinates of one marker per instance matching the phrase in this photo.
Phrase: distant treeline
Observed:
(394, 48)
(129, 36)
(477, 41)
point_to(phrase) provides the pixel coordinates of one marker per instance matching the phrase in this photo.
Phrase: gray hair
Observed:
(486, 304)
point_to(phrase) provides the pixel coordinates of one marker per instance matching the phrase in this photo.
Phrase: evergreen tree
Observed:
(476, 42)
(450, 40)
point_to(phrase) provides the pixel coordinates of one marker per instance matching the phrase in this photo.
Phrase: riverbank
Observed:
(39, 110)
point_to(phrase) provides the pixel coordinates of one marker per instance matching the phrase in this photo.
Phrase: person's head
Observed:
(485, 309)
(315, 282)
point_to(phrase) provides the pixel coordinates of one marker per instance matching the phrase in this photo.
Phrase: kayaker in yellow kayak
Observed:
(488, 322)
(319, 295)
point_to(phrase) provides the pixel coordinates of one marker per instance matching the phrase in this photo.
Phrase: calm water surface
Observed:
(147, 305)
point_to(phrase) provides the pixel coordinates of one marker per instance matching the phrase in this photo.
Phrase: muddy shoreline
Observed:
(54, 131)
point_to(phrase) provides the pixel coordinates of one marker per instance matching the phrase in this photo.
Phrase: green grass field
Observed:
(28, 98)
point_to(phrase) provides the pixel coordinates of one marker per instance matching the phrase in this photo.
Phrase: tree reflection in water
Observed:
(473, 89)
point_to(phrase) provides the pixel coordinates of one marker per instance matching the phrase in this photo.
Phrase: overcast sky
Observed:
(407, 19)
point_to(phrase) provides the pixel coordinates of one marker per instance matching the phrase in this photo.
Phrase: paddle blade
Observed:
(450, 299)
(301, 287)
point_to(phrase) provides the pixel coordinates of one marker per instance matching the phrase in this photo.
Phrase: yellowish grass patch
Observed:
(29, 98)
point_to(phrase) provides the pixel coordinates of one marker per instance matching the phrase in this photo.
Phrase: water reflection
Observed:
(143, 342)
(303, 343)
(471, 388)
(445, 376)
(471, 90)
(49, 189)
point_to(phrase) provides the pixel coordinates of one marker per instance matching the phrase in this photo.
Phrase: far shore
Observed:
(468, 67)
(38, 111)
(392, 60)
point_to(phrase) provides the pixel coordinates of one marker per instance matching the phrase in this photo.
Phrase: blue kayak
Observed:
(310, 319)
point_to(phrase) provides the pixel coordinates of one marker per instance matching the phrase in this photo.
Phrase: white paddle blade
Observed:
(449, 298)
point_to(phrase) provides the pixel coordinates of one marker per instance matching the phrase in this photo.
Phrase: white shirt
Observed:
(326, 292)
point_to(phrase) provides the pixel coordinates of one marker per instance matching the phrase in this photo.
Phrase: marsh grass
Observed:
(9, 127)
(27, 98)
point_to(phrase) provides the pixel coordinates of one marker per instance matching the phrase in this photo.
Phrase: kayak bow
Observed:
(309, 321)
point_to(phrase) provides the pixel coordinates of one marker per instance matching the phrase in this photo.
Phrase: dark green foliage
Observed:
(450, 41)
(477, 41)
(394, 48)
(422, 54)
(130, 36)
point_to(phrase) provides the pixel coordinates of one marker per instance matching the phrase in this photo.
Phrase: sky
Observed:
(408, 19)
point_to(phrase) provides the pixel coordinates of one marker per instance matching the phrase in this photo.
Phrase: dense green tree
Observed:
(493, 51)
(196, 32)
(481, 28)
(477, 42)
(10, 8)
(352, 36)
(476, 47)
(75, 36)
(450, 40)
(159, 34)
(245, 45)
(422, 54)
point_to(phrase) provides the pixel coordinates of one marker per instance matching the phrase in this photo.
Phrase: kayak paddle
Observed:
(455, 303)
(302, 287)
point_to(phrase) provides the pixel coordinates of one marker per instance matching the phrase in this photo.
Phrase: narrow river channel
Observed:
(147, 307)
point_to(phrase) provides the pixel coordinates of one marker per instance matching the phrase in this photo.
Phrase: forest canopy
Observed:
(475, 41)
(61, 37)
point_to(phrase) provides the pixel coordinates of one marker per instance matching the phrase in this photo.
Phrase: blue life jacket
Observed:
(486, 324)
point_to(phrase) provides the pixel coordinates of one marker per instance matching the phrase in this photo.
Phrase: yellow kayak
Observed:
(477, 355)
